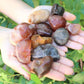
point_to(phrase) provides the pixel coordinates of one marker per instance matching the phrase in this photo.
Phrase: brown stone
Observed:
(41, 66)
(56, 22)
(44, 29)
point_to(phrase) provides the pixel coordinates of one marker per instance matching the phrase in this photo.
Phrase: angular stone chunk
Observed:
(61, 36)
(41, 66)
(38, 40)
(21, 32)
(45, 50)
(57, 10)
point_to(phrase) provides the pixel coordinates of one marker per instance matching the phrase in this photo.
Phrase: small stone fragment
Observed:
(56, 22)
(61, 36)
(57, 10)
(43, 29)
(23, 51)
(74, 28)
(45, 50)
(39, 16)
(38, 40)
(41, 66)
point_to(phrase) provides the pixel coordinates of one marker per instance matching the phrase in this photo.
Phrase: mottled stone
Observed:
(45, 50)
(41, 66)
(39, 16)
(44, 29)
(57, 10)
(23, 51)
(38, 40)
(61, 36)
(21, 32)
(74, 28)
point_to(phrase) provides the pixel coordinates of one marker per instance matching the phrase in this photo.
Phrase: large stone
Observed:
(56, 22)
(21, 32)
(38, 16)
(45, 50)
(41, 66)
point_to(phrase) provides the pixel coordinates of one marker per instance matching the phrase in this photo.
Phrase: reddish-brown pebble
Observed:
(21, 32)
(56, 22)
(23, 51)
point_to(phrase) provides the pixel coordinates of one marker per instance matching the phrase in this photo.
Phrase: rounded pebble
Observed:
(61, 36)
(39, 16)
(56, 22)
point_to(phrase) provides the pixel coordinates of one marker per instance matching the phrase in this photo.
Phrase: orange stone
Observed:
(37, 40)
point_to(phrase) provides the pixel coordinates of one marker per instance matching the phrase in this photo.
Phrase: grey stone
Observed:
(61, 36)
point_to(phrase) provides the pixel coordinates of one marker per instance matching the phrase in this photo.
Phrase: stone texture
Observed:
(41, 66)
(56, 22)
(61, 36)
(45, 50)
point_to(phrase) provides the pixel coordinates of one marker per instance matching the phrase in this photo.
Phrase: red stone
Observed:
(56, 22)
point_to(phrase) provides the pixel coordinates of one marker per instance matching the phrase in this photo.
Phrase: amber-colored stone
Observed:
(41, 66)
(22, 31)
(38, 40)
(56, 22)
(74, 28)
(23, 51)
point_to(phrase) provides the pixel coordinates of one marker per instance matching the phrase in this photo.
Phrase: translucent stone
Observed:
(23, 51)
(74, 28)
(56, 22)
